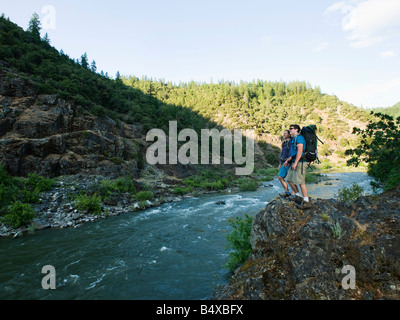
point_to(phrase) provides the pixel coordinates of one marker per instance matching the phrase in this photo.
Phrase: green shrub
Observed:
(19, 214)
(88, 204)
(325, 165)
(393, 178)
(8, 193)
(32, 187)
(268, 174)
(379, 147)
(181, 191)
(125, 185)
(39, 183)
(8, 188)
(144, 195)
(207, 180)
(29, 196)
(247, 184)
(350, 194)
(239, 241)
(117, 160)
(23, 190)
(272, 157)
(143, 204)
(121, 185)
(99, 111)
(314, 177)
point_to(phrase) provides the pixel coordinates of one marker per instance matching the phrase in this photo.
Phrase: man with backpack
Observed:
(297, 173)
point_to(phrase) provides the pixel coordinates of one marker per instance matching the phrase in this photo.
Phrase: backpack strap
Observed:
(302, 153)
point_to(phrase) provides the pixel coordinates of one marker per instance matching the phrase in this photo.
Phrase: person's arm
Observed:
(286, 164)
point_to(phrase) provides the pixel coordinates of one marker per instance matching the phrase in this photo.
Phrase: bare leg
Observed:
(294, 187)
(284, 184)
(304, 190)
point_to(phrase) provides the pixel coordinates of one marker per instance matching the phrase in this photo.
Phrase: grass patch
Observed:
(325, 217)
(239, 241)
(267, 174)
(314, 177)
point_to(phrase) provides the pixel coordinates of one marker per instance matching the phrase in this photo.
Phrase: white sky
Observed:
(349, 48)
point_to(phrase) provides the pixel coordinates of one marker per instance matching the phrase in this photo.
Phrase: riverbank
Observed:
(58, 208)
(74, 200)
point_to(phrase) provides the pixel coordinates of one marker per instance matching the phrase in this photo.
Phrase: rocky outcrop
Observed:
(50, 136)
(300, 254)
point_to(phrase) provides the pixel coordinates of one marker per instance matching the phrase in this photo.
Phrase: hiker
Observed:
(285, 154)
(297, 173)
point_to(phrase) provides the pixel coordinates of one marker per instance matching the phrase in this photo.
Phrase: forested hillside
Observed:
(393, 111)
(266, 107)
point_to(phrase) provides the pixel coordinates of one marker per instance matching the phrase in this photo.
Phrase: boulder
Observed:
(300, 254)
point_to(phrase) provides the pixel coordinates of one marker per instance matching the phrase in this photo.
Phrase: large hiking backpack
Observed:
(311, 152)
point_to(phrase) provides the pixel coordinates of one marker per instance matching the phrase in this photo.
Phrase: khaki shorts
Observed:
(298, 176)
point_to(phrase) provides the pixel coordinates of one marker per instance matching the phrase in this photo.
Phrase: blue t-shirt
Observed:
(293, 146)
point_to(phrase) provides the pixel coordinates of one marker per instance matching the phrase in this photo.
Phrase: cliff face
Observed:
(48, 135)
(297, 255)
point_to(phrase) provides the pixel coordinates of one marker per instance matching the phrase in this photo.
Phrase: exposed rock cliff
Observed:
(297, 255)
(50, 136)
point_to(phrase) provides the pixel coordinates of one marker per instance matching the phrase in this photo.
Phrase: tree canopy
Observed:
(380, 149)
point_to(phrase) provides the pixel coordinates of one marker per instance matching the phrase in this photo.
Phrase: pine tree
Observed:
(46, 38)
(84, 61)
(118, 79)
(35, 27)
(93, 66)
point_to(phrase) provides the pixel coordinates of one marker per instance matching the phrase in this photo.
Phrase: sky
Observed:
(348, 48)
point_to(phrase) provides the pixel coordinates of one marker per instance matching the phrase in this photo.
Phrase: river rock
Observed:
(39, 224)
(295, 253)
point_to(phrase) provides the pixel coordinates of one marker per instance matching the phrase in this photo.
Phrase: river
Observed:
(172, 252)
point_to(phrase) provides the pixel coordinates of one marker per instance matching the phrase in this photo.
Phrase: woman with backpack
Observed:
(285, 154)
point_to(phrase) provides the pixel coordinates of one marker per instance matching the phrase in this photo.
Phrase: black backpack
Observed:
(311, 152)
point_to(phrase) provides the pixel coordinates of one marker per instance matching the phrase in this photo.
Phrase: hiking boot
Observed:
(297, 199)
(304, 205)
(285, 195)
